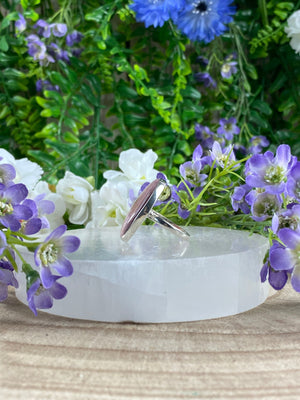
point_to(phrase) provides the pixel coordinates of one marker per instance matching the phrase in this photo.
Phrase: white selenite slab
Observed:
(158, 277)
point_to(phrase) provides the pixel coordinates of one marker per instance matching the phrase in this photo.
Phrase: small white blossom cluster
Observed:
(76, 196)
(293, 30)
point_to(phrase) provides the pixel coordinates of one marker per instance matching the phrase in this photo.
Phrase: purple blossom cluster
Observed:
(41, 41)
(21, 217)
(272, 181)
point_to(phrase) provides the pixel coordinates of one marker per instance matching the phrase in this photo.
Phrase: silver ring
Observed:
(142, 209)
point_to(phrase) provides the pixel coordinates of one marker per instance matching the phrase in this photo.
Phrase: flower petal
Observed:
(283, 155)
(63, 266)
(295, 280)
(16, 193)
(58, 291)
(280, 259)
(46, 277)
(289, 237)
(70, 243)
(56, 233)
(22, 212)
(277, 279)
(43, 300)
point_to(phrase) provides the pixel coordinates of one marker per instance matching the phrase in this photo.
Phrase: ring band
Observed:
(142, 209)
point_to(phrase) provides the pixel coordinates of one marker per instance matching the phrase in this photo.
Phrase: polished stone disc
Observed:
(159, 277)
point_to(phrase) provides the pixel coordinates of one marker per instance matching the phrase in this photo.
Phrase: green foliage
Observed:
(272, 32)
(136, 87)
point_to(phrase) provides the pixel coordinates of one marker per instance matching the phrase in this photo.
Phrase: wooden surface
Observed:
(254, 355)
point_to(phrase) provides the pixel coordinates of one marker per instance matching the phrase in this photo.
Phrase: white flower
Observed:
(76, 194)
(111, 203)
(56, 218)
(136, 166)
(27, 172)
(293, 30)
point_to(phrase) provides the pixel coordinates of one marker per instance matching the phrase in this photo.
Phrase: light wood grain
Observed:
(254, 355)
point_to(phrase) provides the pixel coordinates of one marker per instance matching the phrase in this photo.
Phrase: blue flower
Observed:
(155, 12)
(203, 20)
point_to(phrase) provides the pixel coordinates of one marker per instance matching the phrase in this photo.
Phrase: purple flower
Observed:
(3, 242)
(263, 205)
(293, 182)
(58, 53)
(269, 172)
(202, 60)
(277, 279)
(11, 211)
(36, 48)
(238, 200)
(228, 69)
(43, 28)
(51, 254)
(7, 174)
(44, 207)
(257, 143)
(181, 195)
(76, 52)
(286, 257)
(45, 61)
(289, 218)
(73, 38)
(228, 128)
(59, 30)
(190, 170)
(204, 135)
(45, 85)
(206, 79)
(20, 24)
(7, 278)
(33, 224)
(38, 297)
(182, 211)
(224, 156)
(38, 221)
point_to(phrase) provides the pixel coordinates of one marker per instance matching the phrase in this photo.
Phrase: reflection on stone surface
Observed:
(153, 243)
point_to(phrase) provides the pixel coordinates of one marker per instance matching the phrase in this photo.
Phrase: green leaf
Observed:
(64, 149)
(20, 101)
(262, 106)
(52, 94)
(278, 83)
(3, 44)
(129, 106)
(258, 120)
(179, 159)
(80, 168)
(191, 92)
(57, 79)
(14, 16)
(126, 91)
(24, 4)
(42, 157)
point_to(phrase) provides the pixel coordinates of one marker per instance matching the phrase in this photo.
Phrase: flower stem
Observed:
(263, 11)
